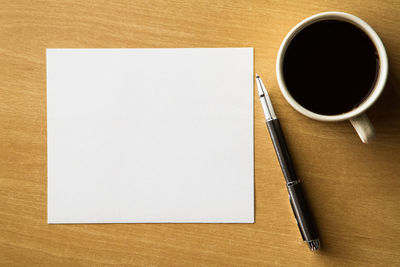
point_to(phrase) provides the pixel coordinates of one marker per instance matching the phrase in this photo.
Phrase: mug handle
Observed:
(364, 128)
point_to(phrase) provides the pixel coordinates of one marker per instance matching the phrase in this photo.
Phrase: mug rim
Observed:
(380, 81)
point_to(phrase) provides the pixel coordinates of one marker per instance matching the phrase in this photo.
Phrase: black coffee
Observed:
(330, 67)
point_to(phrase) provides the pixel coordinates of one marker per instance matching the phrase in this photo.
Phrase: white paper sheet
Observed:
(150, 135)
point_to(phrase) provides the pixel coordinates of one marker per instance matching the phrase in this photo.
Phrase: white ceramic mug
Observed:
(357, 116)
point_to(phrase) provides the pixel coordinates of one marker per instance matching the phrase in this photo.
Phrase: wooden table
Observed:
(354, 188)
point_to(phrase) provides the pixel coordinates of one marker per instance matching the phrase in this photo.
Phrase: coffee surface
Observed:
(330, 67)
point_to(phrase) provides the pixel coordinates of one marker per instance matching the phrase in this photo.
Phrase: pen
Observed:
(296, 197)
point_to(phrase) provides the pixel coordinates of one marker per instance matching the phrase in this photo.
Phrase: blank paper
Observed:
(150, 135)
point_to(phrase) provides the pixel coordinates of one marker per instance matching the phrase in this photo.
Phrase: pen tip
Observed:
(257, 76)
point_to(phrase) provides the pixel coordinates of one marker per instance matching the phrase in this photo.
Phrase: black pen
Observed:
(297, 200)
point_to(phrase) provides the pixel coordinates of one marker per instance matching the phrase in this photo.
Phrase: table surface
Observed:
(354, 188)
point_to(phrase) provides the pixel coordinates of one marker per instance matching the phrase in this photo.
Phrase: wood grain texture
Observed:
(354, 188)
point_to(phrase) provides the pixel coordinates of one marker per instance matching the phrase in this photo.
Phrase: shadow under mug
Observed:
(357, 116)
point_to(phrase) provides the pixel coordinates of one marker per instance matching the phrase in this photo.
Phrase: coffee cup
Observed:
(330, 93)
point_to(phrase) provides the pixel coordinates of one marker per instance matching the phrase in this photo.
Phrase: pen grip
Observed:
(279, 142)
(302, 212)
